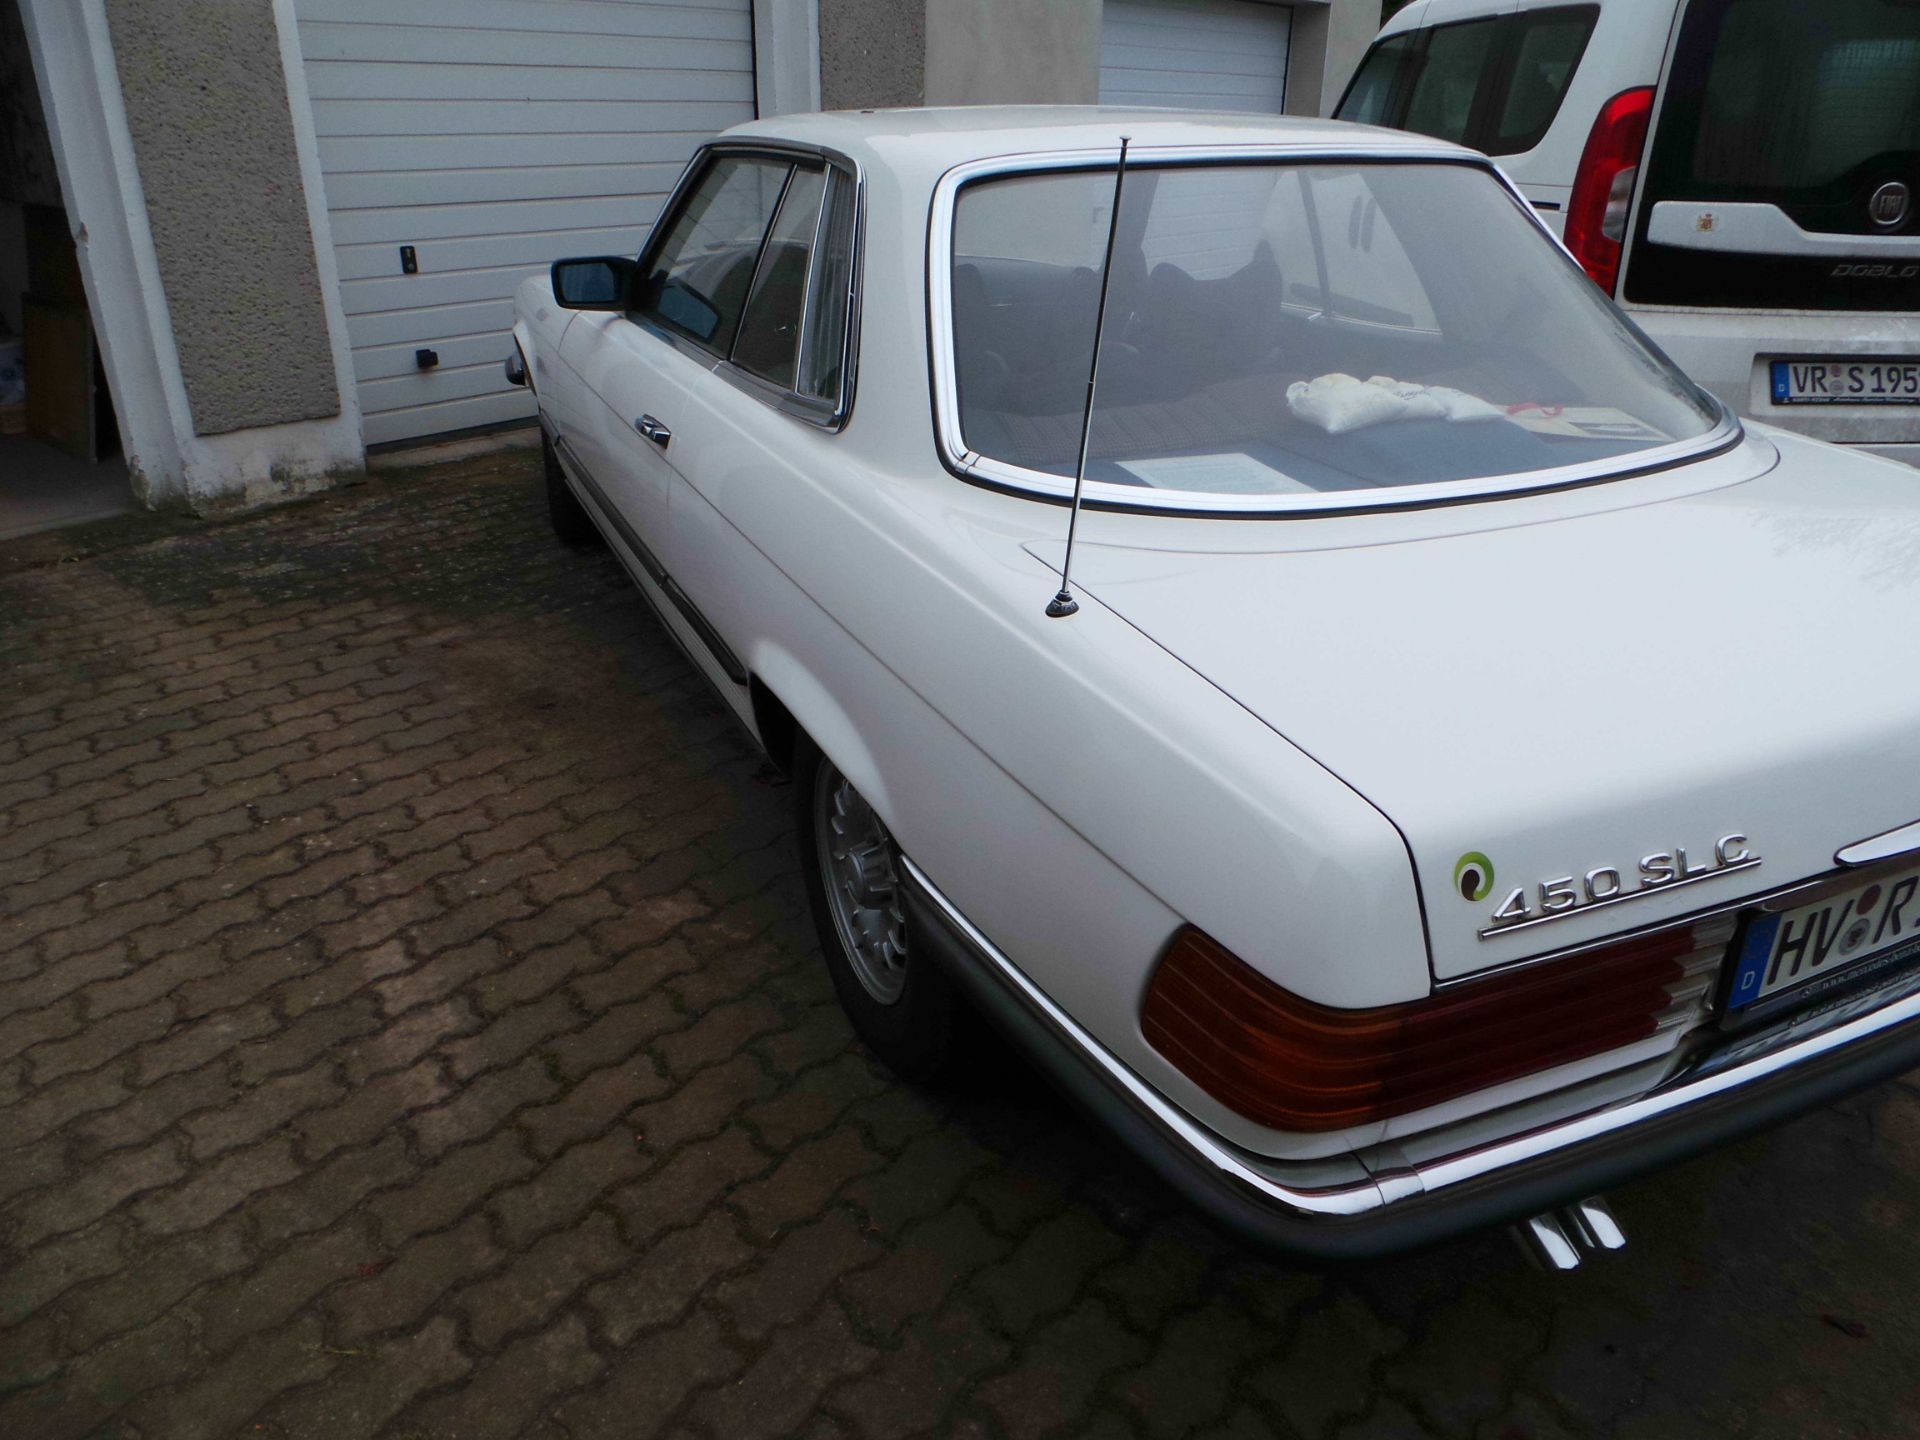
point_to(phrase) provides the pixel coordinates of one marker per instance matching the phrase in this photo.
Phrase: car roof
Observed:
(932, 141)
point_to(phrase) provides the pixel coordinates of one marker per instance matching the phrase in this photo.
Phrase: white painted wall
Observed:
(496, 136)
(1195, 54)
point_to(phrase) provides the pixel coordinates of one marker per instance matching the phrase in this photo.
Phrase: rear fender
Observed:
(815, 710)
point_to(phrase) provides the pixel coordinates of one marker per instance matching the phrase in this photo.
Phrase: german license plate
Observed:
(1846, 382)
(1878, 921)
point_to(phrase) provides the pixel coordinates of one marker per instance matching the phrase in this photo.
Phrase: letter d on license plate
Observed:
(1877, 921)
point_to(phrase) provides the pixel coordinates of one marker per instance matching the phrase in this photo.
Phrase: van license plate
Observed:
(1878, 921)
(1846, 382)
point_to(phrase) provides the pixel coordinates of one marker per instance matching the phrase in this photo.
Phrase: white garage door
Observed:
(493, 137)
(1195, 54)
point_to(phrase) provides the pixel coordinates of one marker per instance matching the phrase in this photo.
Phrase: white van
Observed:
(1739, 174)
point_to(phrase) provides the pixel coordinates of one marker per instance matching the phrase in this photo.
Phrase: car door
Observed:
(641, 366)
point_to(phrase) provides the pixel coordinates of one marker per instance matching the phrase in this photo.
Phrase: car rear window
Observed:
(1495, 83)
(1812, 110)
(1292, 331)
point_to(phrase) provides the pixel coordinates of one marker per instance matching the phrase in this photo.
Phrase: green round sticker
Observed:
(1473, 876)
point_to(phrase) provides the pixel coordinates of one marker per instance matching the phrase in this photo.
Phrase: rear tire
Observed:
(571, 523)
(903, 1006)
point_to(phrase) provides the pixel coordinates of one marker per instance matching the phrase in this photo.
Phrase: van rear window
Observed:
(1811, 109)
(1495, 84)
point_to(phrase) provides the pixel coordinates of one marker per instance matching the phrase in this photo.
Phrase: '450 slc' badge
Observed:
(1566, 895)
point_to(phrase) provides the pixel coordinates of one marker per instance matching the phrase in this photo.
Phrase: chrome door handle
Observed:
(653, 430)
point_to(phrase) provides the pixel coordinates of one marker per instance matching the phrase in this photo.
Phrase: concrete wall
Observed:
(206, 104)
(1328, 41)
(872, 53)
(1014, 52)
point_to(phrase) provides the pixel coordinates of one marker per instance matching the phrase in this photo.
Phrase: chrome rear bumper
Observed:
(1752, 1083)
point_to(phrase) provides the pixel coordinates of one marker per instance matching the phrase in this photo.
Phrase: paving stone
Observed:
(372, 1387)
(457, 1182)
(404, 1286)
(542, 1278)
(666, 1279)
(793, 1275)
(694, 1178)
(285, 1285)
(209, 1193)
(96, 1190)
(508, 1396)
(659, 1372)
(782, 1387)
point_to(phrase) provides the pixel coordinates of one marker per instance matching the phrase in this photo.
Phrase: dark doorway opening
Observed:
(60, 454)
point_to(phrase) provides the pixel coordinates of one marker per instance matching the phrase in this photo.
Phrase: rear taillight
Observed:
(1603, 185)
(1296, 1065)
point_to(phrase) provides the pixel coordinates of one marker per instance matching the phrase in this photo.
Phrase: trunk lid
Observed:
(1576, 692)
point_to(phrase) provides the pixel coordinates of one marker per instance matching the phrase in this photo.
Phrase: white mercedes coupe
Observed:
(1475, 769)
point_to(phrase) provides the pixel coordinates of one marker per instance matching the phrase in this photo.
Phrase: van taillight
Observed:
(1603, 185)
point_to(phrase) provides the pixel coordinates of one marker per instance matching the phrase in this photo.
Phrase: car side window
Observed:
(1442, 99)
(826, 327)
(769, 341)
(698, 279)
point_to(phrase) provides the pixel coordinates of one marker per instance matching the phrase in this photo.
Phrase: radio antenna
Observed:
(1063, 604)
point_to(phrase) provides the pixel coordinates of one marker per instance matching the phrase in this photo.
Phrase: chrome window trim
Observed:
(970, 464)
(822, 414)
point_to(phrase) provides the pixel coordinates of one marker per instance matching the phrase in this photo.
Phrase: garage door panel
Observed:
(493, 137)
(368, 155)
(1171, 60)
(380, 80)
(413, 292)
(468, 187)
(431, 387)
(508, 405)
(478, 252)
(380, 362)
(715, 18)
(413, 118)
(411, 224)
(440, 46)
(425, 324)
(1195, 54)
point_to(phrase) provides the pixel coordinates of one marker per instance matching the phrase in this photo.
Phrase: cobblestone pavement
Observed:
(409, 1026)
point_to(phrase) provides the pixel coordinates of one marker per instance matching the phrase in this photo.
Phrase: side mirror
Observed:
(596, 282)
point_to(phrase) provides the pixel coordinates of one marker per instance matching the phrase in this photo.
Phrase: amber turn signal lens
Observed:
(1292, 1064)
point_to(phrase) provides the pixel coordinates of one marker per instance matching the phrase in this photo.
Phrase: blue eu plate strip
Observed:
(1752, 971)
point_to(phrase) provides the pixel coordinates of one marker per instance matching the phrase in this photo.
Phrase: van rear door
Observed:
(1783, 179)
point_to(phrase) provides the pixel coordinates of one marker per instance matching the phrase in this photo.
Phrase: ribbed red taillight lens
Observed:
(1603, 185)
(1292, 1064)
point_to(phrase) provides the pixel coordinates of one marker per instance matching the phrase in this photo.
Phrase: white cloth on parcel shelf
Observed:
(1339, 403)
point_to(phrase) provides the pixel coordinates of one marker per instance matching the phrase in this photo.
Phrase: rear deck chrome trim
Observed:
(1904, 841)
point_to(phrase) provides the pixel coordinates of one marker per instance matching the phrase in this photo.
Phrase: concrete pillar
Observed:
(1013, 52)
(191, 179)
(872, 53)
(1324, 50)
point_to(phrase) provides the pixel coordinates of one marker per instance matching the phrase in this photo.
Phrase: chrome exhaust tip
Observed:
(1558, 1240)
